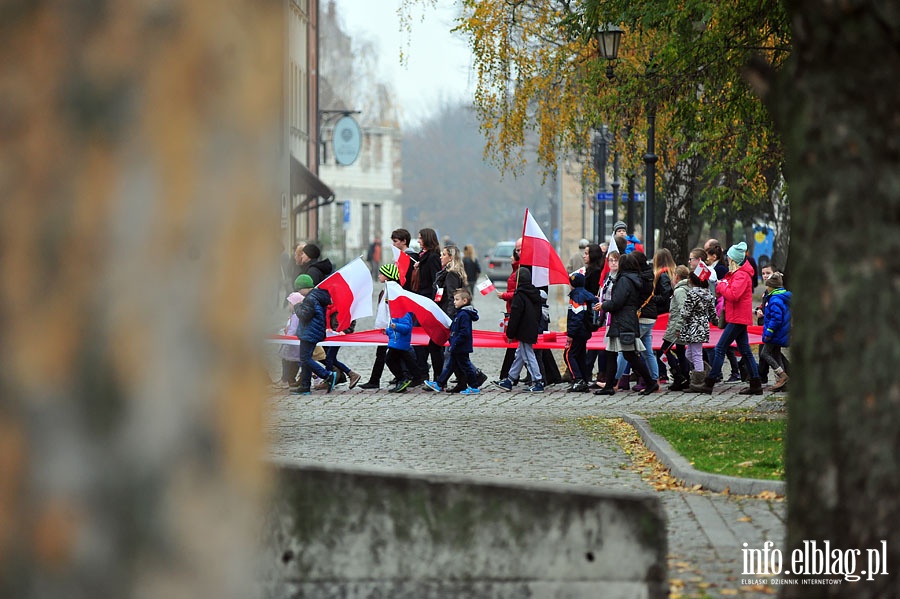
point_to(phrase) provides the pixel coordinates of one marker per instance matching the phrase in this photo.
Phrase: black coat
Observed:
(429, 266)
(449, 282)
(627, 296)
(524, 312)
(662, 295)
(319, 270)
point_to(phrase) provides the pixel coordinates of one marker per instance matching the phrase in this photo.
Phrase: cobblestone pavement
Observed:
(532, 436)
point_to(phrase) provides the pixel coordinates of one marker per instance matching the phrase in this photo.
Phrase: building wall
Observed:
(371, 186)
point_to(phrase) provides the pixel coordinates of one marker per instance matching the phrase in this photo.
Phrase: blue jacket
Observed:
(461, 330)
(401, 336)
(777, 325)
(311, 312)
(577, 322)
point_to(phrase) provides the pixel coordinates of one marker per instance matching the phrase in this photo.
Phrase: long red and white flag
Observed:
(430, 316)
(402, 260)
(546, 266)
(351, 292)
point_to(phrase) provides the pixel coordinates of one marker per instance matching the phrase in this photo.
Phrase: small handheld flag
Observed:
(485, 287)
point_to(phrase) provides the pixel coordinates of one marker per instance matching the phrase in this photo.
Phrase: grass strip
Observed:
(734, 444)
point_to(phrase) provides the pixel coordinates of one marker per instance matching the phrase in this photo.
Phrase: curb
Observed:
(682, 469)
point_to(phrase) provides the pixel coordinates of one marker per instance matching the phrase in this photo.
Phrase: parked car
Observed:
(499, 261)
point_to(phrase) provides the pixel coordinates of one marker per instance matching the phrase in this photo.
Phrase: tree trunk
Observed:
(136, 218)
(679, 200)
(836, 105)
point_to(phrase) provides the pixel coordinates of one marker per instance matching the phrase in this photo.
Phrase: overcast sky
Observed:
(438, 62)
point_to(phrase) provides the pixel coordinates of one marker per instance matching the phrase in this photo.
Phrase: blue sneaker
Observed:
(432, 386)
(299, 391)
(538, 387)
(505, 384)
(332, 381)
(470, 391)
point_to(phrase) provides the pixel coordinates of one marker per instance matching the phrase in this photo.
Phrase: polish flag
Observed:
(546, 266)
(351, 292)
(702, 271)
(485, 286)
(403, 261)
(613, 246)
(435, 322)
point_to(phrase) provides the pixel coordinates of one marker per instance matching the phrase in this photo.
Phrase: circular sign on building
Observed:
(347, 140)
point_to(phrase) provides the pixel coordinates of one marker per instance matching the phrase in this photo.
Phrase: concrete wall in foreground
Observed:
(339, 532)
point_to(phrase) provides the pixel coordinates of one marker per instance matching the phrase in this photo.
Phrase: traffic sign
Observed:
(607, 196)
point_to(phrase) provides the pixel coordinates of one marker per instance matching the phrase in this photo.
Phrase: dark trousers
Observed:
(401, 363)
(309, 366)
(331, 360)
(634, 360)
(460, 364)
(436, 353)
(678, 362)
(576, 359)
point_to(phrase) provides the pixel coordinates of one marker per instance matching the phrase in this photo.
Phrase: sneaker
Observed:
(401, 386)
(354, 378)
(505, 384)
(482, 378)
(332, 381)
(432, 386)
(734, 378)
(321, 385)
(370, 385)
(470, 391)
(299, 391)
(280, 386)
(538, 387)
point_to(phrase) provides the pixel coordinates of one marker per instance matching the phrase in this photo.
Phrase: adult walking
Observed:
(737, 289)
(425, 272)
(623, 330)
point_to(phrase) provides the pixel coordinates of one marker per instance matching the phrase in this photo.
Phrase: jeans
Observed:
(731, 333)
(460, 364)
(647, 355)
(308, 365)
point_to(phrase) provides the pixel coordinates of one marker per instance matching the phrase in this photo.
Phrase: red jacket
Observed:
(511, 283)
(737, 289)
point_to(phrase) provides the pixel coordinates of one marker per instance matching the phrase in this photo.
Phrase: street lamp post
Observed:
(601, 156)
(650, 159)
(608, 38)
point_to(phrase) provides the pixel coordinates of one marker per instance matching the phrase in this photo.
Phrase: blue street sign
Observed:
(607, 196)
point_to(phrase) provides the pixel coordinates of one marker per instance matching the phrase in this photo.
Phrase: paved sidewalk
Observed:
(532, 436)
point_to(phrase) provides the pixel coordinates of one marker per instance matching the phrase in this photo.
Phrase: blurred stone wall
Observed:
(138, 225)
(364, 532)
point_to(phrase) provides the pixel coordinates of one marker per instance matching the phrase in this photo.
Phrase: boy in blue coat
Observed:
(399, 359)
(311, 313)
(460, 345)
(776, 328)
(579, 329)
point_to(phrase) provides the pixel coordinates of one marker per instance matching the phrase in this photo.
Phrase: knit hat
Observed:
(577, 279)
(390, 271)
(775, 281)
(303, 281)
(620, 224)
(738, 252)
(312, 250)
(294, 298)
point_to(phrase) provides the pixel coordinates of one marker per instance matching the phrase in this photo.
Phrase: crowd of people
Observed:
(614, 287)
